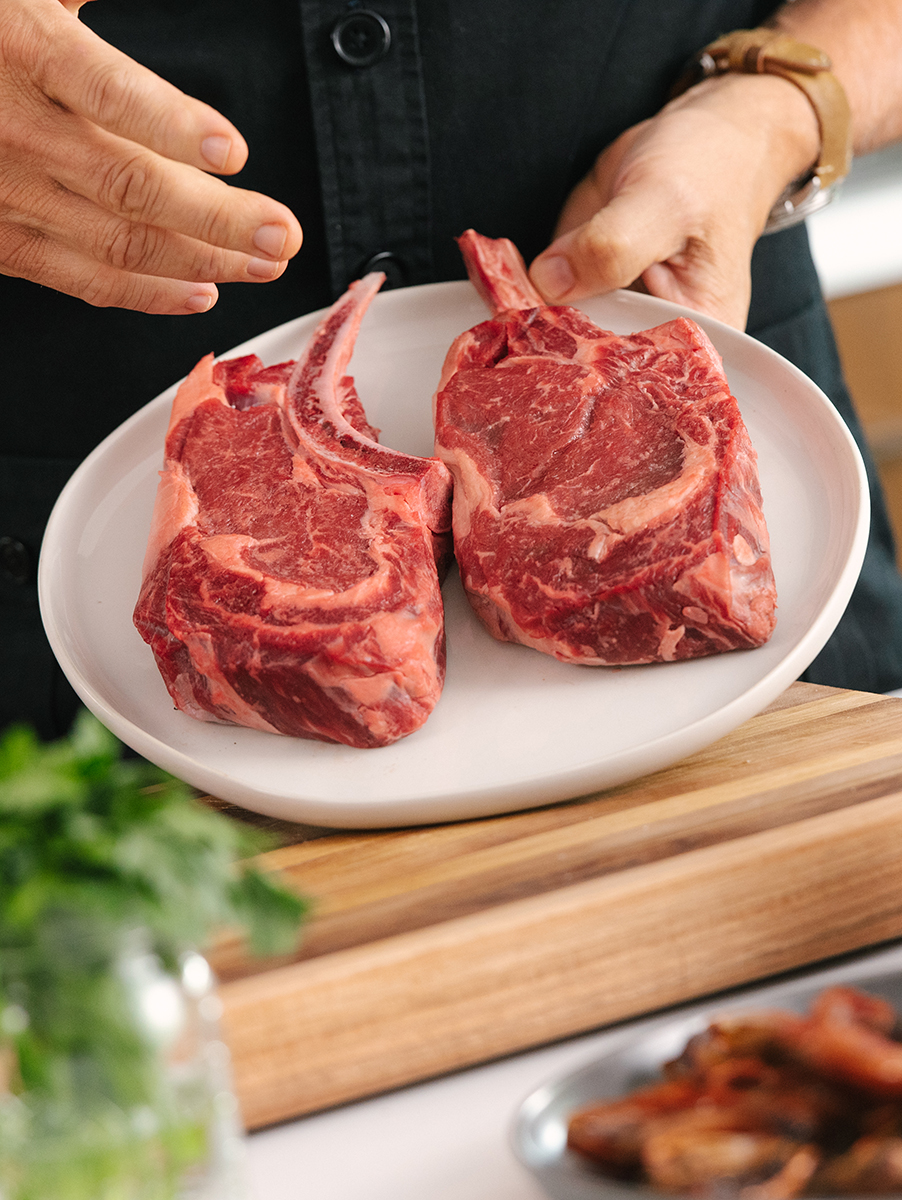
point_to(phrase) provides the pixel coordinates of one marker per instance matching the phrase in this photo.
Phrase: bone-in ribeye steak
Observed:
(291, 580)
(606, 498)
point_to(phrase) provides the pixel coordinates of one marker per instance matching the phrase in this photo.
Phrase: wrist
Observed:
(768, 52)
(771, 119)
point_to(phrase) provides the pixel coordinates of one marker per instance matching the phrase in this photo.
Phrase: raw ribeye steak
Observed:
(291, 580)
(606, 498)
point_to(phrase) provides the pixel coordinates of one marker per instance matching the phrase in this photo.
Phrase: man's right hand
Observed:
(675, 205)
(105, 184)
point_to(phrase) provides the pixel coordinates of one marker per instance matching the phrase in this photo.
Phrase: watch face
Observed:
(802, 198)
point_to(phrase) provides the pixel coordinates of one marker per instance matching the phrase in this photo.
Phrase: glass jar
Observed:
(181, 1140)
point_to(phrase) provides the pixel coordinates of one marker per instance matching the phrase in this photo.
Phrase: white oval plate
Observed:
(514, 728)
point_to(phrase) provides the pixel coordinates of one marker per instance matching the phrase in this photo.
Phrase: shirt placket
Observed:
(369, 118)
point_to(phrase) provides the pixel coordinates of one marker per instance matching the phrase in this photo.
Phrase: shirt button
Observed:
(394, 268)
(361, 38)
(16, 563)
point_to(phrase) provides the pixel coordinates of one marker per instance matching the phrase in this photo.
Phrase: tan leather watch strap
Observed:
(766, 51)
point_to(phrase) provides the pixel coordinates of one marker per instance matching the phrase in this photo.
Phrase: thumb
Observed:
(609, 250)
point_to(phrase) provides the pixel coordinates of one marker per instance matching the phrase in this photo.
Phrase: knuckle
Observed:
(129, 187)
(108, 288)
(18, 136)
(216, 227)
(107, 91)
(96, 289)
(610, 250)
(131, 246)
(29, 49)
(22, 249)
(173, 124)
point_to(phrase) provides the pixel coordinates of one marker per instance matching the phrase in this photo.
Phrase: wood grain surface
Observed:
(435, 948)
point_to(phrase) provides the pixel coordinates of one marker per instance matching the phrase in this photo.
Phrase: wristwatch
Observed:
(766, 51)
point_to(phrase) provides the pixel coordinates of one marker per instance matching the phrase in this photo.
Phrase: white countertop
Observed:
(857, 239)
(442, 1140)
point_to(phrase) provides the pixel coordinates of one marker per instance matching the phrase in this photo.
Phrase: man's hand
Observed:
(104, 186)
(675, 205)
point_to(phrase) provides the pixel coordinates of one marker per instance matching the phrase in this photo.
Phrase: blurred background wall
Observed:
(857, 246)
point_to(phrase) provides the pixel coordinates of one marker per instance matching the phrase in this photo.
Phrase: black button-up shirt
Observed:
(479, 113)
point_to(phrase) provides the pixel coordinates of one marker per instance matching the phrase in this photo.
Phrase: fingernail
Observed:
(263, 268)
(553, 276)
(270, 239)
(216, 151)
(199, 303)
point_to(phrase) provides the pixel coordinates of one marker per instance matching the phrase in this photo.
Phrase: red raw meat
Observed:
(606, 499)
(291, 581)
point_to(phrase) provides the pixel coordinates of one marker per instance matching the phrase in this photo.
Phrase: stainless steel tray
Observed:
(633, 1057)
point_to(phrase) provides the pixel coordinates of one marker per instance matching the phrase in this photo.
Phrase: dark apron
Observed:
(391, 159)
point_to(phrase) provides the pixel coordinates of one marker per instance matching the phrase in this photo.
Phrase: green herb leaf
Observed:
(92, 848)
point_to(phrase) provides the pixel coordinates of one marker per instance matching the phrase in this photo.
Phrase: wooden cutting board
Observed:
(435, 948)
